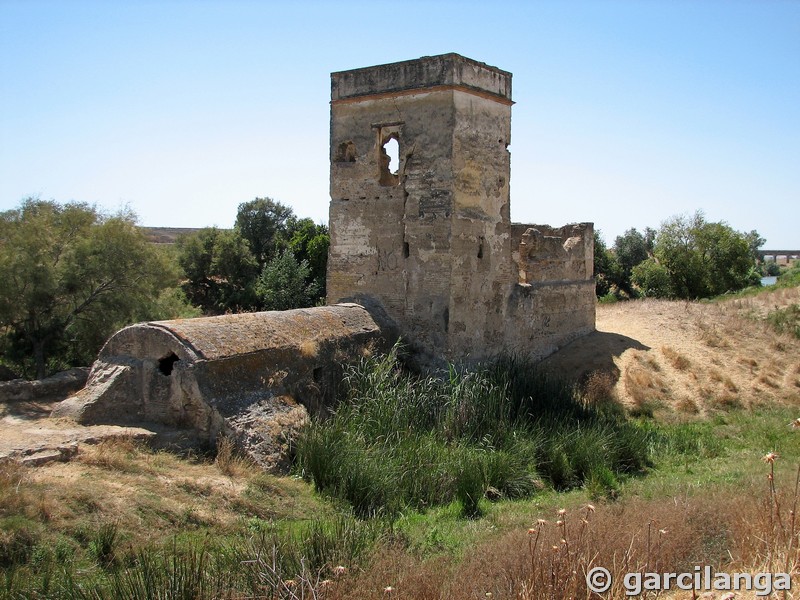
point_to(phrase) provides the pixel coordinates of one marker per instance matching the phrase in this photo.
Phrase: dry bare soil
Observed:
(690, 358)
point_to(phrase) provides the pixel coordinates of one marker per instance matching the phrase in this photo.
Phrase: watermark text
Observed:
(599, 580)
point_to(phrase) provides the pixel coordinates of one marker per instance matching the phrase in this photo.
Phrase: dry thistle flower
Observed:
(662, 531)
(555, 548)
(728, 596)
(562, 511)
(770, 457)
(590, 507)
(339, 570)
(532, 530)
(388, 589)
(541, 522)
(795, 424)
(290, 583)
(325, 583)
(559, 523)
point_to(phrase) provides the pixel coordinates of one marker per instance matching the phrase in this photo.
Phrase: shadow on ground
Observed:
(593, 352)
(27, 410)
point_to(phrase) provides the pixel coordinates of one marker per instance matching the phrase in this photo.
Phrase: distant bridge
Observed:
(779, 255)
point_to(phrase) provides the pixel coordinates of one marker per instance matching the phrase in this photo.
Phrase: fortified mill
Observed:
(422, 246)
(430, 238)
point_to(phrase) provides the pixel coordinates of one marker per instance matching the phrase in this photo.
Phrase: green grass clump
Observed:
(786, 320)
(400, 441)
(275, 557)
(789, 277)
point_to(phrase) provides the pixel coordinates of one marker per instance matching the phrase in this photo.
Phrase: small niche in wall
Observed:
(480, 247)
(346, 152)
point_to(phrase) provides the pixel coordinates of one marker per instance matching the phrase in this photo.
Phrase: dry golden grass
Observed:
(598, 388)
(729, 530)
(645, 389)
(676, 359)
(114, 453)
(549, 560)
(230, 462)
(12, 476)
(309, 348)
(141, 491)
(714, 356)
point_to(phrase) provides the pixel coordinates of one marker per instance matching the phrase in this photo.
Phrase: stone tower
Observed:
(419, 213)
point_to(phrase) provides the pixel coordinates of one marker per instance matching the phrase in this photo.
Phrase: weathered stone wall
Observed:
(253, 377)
(49, 389)
(433, 243)
(543, 253)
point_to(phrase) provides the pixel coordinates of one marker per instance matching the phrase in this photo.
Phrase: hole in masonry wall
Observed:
(389, 159)
(392, 149)
(166, 364)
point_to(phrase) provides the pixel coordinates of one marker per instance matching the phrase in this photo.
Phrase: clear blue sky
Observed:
(627, 112)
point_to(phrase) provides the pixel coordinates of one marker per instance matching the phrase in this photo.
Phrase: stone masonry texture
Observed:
(251, 377)
(430, 239)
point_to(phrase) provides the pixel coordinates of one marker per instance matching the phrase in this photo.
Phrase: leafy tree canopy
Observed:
(220, 270)
(285, 283)
(705, 259)
(225, 269)
(71, 277)
(607, 271)
(263, 222)
(632, 247)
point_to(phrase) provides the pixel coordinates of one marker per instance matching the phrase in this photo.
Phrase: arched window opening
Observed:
(392, 149)
(389, 159)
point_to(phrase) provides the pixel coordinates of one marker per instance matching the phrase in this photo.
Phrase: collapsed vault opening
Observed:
(166, 364)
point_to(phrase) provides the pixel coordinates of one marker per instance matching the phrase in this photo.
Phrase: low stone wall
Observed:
(541, 318)
(56, 387)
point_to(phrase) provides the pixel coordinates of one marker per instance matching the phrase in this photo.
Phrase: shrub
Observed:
(652, 279)
(786, 320)
(18, 536)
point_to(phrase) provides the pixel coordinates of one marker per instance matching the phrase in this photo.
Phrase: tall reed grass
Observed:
(397, 440)
(277, 561)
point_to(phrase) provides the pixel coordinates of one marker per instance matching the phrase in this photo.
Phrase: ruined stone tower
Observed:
(420, 220)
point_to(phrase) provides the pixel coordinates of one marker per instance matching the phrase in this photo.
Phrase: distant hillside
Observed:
(166, 235)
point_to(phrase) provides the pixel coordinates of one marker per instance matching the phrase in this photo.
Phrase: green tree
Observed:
(652, 279)
(607, 271)
(705, 259)
(263, 222)
(71, 277)
(631, 248)
(220, 270)
(285, 283)
(310, 242)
